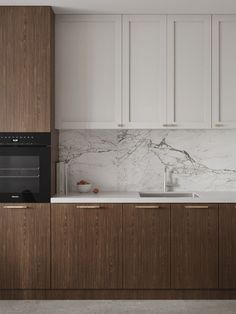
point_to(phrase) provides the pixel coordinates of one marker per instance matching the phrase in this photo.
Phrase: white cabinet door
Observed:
(224, 71)
(189, 71)
(88, 71)
(144, 71)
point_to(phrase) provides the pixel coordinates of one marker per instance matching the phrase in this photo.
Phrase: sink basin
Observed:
(168, 194)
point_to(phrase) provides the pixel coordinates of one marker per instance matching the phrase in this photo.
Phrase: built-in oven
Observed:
(25, 161)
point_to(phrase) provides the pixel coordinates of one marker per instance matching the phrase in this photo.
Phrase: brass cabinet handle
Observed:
(196, 206)
(88, 206)
(169, 125)
(147, 206)
(219, 125)
(15, 207)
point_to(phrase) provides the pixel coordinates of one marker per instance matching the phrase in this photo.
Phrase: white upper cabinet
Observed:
(88, 71)
(144, 71)
(224, 71)
(189, 71)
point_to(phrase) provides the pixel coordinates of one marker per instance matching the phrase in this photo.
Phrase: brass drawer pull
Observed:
(15, 207)
(219, 125)
(147, 206)
(88, 206)
(196, 206)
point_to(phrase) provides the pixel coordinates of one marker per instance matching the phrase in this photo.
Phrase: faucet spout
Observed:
(165, 177)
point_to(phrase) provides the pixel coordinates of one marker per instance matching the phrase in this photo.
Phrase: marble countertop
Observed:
(134, 197)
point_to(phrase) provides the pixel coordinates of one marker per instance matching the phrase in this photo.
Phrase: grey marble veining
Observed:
(133, 160)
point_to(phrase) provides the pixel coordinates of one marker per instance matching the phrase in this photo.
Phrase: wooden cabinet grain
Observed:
(24, 246)
(86, 246)
(194, 246)
(227, 246)
(26, 69)
(117, 246)
(146, 246)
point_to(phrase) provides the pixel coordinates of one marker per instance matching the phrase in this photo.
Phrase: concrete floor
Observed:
(118, 307)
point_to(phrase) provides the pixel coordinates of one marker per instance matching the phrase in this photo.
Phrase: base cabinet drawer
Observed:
(24, 246)
(227, 246)
(86, 246)
(146, 246)
(194, 246)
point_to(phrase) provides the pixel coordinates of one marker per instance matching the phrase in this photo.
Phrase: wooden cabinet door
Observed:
(86, 246)
(189, 71)
(146, 246)
(26, 69)
(144, 71)
(224, 71)
(24, 246)
(88, 71)
(227, 246)
(194, 246)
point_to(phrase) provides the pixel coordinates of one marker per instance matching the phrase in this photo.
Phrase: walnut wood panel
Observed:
(227, 246)
(146, 246)
(121, 294)
(25, 246)
(26, 69)
(86, 246)
(194, 247)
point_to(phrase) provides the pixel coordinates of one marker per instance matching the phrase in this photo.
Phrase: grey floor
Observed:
(117, 307)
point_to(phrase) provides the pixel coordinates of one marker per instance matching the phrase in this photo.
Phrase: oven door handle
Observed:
(15, 207)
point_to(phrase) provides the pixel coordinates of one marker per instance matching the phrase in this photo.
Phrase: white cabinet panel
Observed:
(224, 71)
(88, 71)
(144, 71)
(189, 71)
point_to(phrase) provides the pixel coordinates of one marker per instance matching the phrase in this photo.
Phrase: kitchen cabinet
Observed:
(146, 246)
(86, 246)
(88, 71)
(227, 246)
(224, 71)
(194, 246)
(133, 71)
(189, 71)
(26, 69)
(24, 246)
(144, 71)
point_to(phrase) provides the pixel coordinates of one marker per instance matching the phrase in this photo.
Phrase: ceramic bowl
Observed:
(84, 188)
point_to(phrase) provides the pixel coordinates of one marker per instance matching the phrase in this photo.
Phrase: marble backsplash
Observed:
(134, 160)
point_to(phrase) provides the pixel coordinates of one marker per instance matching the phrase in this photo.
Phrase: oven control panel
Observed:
(10, 139)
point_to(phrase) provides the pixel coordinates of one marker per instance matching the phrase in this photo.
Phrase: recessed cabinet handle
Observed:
(147, 206)
(88, 206)
(170, 125)
(15, 207)
(120, 125)
(196, 206)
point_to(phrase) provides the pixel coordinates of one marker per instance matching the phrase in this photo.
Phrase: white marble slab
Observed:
(133, 160)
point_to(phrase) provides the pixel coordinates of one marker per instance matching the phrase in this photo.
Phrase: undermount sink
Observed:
(168, 194)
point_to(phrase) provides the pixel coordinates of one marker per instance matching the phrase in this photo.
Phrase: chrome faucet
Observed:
(164, 181)
(168, 183)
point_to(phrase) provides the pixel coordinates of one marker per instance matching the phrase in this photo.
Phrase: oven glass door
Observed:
(24, 174)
